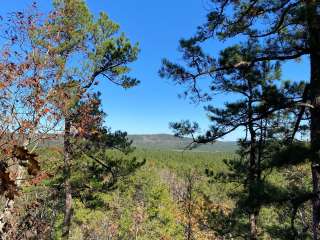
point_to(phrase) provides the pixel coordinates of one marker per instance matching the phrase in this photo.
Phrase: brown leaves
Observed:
(40, 177)
(33, 167)
(27, 159)
(8, 186)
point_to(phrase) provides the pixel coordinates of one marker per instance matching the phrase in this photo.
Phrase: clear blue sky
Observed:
(157, 26)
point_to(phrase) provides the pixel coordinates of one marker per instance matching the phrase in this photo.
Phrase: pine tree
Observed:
(262, 104)
(85, 49)
(285, 30)
(91, 144)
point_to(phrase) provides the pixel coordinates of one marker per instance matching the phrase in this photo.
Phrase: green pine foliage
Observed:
(151, 202)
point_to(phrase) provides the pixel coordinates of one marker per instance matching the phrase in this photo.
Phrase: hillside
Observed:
(162, 142)
(170, 142)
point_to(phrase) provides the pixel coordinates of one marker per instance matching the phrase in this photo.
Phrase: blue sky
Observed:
(157, 26)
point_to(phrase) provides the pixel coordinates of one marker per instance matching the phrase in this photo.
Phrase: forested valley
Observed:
(66, 174)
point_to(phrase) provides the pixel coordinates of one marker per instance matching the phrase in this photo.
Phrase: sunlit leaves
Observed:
(27, 159)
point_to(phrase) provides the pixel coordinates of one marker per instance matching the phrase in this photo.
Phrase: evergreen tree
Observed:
(85, 49)
(285, 30)
(262, 104)
(91, 144)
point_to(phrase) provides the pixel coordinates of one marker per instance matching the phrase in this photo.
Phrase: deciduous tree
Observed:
(26, 112)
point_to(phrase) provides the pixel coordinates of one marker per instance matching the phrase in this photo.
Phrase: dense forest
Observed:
(64, 174)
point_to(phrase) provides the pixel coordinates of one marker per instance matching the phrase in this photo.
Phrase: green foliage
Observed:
(268, 109)
(294, 154)
(149, 203)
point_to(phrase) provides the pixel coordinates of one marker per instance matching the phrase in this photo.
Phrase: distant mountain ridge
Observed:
(170, 142)
(162, 142)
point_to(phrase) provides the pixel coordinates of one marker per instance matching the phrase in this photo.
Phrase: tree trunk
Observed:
(252, 178)
(315, 140)
(253, 214)
(189, 206)
(314, 43)
(67, 173)
(253, 226)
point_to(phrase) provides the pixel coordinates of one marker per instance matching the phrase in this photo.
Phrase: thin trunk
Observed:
(189, 227)
(253, 226)
(253, 214)
(314, 41)
(67, 173)
(315, 141)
